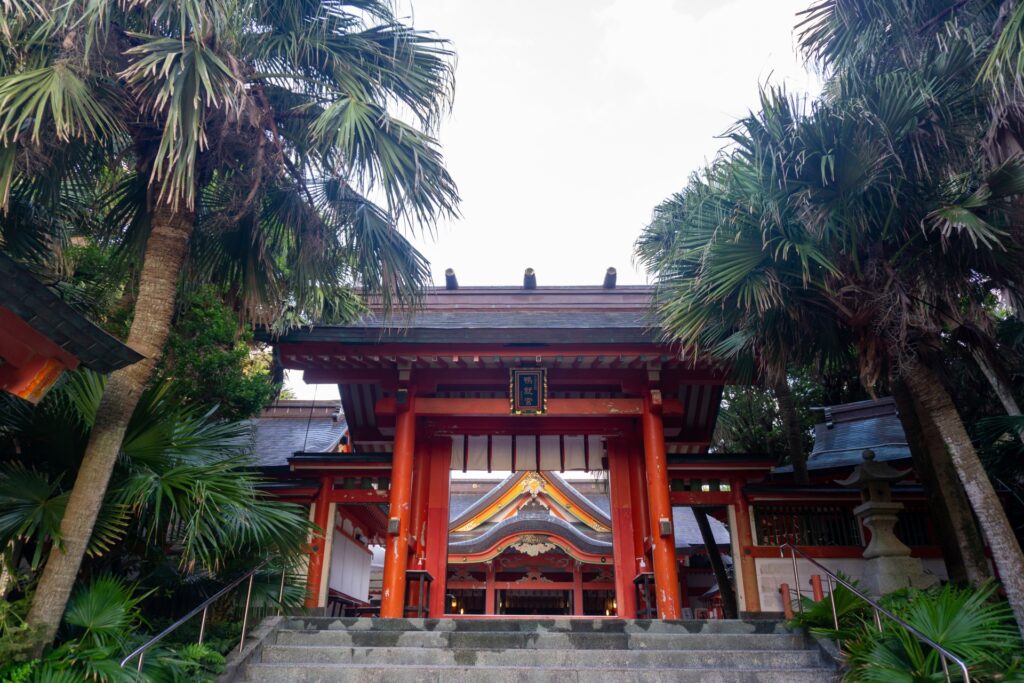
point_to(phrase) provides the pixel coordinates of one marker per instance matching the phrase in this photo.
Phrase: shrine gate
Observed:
(517, 379)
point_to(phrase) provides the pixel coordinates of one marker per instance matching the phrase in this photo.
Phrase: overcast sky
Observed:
(574, 118)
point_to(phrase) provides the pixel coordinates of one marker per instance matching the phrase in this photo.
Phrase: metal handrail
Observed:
(203, 607)
(834, 578)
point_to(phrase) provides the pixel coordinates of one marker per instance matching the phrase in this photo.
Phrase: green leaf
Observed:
(54, 99)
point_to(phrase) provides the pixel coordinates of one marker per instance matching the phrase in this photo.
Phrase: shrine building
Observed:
(541, 451)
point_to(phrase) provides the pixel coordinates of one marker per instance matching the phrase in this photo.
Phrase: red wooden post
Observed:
(641, 516)
(318, 546)
(787, 601)
(420, 495)
(745, 541)
(577, 589)
(396, 553)
(666, 574)
(489, 591)
(622, 528)
(437, 523)
(816, 591)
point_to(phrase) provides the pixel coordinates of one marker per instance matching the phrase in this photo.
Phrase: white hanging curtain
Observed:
(560, 453)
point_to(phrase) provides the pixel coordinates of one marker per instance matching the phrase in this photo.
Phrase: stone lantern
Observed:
(889, 564)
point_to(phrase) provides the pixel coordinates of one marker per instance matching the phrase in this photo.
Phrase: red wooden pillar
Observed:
(437, 522)
(663, 551)
(489, 592)
(420, 495)
(577, 589)
(623, 537)
(638, 496)
(318, 546)
(396, 552)
(745, 542)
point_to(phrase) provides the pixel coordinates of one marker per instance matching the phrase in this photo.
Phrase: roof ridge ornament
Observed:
(530, 279)
(610, 277)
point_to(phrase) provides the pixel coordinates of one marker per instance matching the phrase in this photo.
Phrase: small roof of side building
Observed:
(289, 427)
(43, 309)
(851, 428)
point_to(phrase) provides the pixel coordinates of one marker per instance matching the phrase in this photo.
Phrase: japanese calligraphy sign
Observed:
(528, 391)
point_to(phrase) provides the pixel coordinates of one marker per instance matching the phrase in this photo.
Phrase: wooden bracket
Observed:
(654, 371)
(404, 372)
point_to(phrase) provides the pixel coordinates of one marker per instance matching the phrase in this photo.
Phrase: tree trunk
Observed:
(6, 575)
(934, 400)
(958, 535)
(715, 556)
(993, 371)
(154, 310)
(791, 426)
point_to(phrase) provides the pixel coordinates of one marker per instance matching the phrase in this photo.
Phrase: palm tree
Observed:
(946, 224)
(712, 232)
(876, 229)
(856, 42)
(251, 131)
(184, 490)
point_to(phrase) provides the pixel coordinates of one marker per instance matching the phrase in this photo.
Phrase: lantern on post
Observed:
(889, 564)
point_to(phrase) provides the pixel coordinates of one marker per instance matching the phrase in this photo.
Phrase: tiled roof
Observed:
(688, 533)
(476, 543)
(290, 427)
(447, 320)
(480, 501)
(499, 314)
(851, 428)
(458, 503)
(601, 501)
(584, 501)
(43, 309)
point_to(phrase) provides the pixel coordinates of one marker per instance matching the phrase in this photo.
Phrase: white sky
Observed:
(574, 118)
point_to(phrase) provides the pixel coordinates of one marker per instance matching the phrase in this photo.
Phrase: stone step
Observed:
(544, 625)
(506, 640)
(372, 673)
(570, 659)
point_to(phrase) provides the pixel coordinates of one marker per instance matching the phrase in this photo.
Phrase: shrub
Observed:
(969, 622)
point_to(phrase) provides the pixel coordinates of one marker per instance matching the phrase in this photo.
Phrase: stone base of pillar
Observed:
(883, 575)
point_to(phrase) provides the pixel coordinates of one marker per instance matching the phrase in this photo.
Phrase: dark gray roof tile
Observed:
(279, 438)
(851, 428)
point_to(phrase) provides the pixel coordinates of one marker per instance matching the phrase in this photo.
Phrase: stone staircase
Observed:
(315, 650)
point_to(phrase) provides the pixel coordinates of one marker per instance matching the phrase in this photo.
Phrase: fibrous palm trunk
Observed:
(791, 426)
(933, 399)
(993, 371)
(962, 547)
(158, 283)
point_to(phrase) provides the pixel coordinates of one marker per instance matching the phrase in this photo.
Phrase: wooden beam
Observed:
(512, 424)
(700, 498)
(359, 496)
(428, 379)
(557, 407)
(298, 351)
(531, 585)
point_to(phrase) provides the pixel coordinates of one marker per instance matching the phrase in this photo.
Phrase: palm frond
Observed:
(55, 95)
(181, 81)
